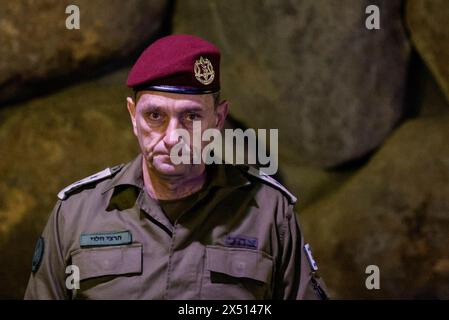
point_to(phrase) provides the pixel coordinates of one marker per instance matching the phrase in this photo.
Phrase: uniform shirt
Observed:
(239, 239)
(174, 208)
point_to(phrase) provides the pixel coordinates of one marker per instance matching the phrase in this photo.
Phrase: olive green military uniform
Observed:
(237, 239)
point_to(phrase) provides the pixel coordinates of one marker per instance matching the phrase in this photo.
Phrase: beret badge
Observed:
(204, 72)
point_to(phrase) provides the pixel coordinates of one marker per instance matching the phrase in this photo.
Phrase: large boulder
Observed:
(36, 47)
(309, 68)
(47, 144)
(311, 184)
(427, 21)
(393, 213)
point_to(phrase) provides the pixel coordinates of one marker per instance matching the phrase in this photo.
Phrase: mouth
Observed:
(163, 157)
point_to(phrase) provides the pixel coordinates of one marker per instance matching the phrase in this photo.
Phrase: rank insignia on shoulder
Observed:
(106, 173)
(271, 181)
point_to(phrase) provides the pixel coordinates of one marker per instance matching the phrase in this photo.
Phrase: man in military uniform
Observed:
(151, 229)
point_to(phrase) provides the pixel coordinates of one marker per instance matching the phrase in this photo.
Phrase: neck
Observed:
(169, 187)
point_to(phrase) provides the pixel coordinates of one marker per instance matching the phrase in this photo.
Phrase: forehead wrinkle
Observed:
(175, 98)
(172, 105)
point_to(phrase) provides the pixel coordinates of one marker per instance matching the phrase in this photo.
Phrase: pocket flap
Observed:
(104, 261)
(240, 263)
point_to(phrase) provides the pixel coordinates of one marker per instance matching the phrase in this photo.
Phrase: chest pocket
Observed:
(106, 272)
(236, 273)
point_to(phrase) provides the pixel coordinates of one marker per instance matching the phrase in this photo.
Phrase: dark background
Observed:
(362, 116)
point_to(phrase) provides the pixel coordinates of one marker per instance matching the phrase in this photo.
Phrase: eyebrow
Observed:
(152, 107)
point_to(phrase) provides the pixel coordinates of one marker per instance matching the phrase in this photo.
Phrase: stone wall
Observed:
(363, 120)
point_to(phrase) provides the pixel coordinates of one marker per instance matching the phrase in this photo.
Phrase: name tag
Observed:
(105, 239)
(241, 242)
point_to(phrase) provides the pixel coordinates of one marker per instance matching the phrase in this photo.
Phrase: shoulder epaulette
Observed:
(106, 173)
(272, 182)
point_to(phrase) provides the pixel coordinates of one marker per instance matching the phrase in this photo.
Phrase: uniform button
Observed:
(239, 267)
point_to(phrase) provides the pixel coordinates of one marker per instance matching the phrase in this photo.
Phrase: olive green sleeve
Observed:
(297, 280)
(47, 280)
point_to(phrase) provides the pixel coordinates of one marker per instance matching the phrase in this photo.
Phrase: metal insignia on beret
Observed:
(204, 72)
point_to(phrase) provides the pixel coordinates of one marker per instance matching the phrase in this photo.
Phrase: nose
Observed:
(171, 137)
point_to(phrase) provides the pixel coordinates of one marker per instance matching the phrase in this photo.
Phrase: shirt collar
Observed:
(131, 174)
(227, 176)
(220, 175)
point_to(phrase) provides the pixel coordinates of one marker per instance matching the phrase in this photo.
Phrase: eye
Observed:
(191, 116)
(154, 116)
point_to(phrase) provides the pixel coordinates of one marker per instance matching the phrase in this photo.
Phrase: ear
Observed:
(132, 112)
(221, 112)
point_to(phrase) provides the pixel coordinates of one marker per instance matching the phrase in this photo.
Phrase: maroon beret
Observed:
(178, 63)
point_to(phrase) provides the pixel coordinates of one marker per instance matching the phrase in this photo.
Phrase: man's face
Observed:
(157, 115)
